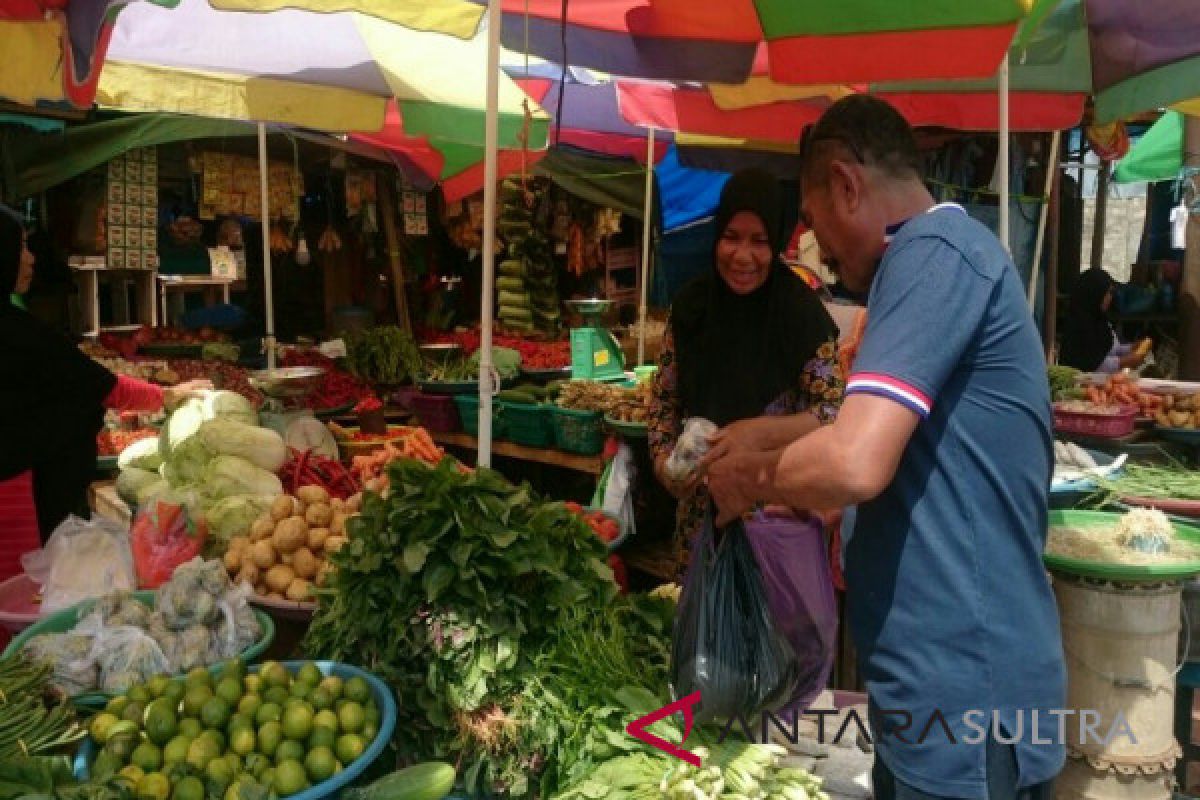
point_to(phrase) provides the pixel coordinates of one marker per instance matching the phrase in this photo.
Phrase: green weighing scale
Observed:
(595, 353)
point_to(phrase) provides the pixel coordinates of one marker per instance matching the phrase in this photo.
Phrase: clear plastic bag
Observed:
(689, 449)
(164, 535)
(68, 655)
(81, 560)
(126, 656)
(746, 635)
(238, 627)
(193, 594)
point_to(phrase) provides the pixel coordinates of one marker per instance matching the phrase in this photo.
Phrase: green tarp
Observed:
(610, 182)
(1158, 155)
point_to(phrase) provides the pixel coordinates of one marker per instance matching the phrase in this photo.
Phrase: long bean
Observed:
(1172, 480)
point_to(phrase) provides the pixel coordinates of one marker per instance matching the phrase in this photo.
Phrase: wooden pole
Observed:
(1050, 325)
(1189, 300)
(387, 210)
(1097, 259)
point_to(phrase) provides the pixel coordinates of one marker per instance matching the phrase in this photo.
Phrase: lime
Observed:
(117, 705)
(275, 674)
(147, 757)
(298, 723)
(351, 717)
(240, 721)
(139, 694)
(349, 747)
(253, 683)
(333, 684)
(268, 712)
(230, 690)
(175, 691)
(371, 713)
(219, 772)
(322, 737)
(190, 727)
(233, 668)
(194, 700)
(289, 749)
(235, 763)
(268, 778)
(105, 765)
(198, 676)
(277, 695)
(190, 788)
(176, 750)
(160, 721)
(309, 673)
(358, 690)
(320, 764)
(130, 776)
(217, 738)
(249, 703)
(326, 719)
(255, 763)
(301, 690)
(215, 713)
(269, 737)
(243, 741)
(201, 751)
(369, 731)
(121, 744)
(157, 685)
(290, 778)
(133, 712)
(153, 786)
(320, 699)
(234, 792)
(101, 724)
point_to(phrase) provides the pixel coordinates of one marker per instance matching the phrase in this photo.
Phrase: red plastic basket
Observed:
(1107, 426)
(436, 412)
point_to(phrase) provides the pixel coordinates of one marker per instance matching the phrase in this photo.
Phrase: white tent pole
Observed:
(647, 227)
(1002, 155)
(491, 135)
(1051, 168)
(265, 214)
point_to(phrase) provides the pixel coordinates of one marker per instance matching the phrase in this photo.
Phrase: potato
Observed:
(298, 507)
(262, 528)
(316, 539)
(299, 591)
(337, 504)
(233, 561)
(319, 515)
(262, 555)
(282, 508)
(313, 495)
(290, 534)
(337, 524)
(334, 543)
(354, 502)
(237, 543)
(279, 577)
(323, 572)
(304, 563)
(249, 574)
(286, 558)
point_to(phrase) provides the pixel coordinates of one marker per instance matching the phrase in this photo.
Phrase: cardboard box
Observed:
(116, 236)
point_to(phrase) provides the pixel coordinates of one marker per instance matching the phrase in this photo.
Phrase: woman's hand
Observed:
(742, 436)
(678, 489)
(174, 396)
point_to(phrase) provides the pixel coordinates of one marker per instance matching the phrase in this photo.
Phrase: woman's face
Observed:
(744, 253)
(24, 269)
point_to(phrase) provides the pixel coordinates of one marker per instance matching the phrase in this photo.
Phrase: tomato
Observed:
(619, 573)
(574, 508)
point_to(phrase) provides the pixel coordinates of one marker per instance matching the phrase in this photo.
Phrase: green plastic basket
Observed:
(531, 426)
(468, 412)
(66, 620)
(580, 432)
(1127, 573)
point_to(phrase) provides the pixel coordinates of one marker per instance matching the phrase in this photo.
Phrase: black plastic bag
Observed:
(725, 643)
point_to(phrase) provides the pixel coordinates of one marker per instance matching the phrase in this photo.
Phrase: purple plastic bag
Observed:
(791, 557)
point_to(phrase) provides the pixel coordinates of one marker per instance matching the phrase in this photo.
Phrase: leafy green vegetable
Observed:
(383, 354)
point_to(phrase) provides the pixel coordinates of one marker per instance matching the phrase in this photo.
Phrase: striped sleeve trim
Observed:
(886, 386)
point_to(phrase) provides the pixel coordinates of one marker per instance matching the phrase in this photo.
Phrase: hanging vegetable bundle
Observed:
(527, 283)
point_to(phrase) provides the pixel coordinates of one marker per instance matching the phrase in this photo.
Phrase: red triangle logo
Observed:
(637, 728)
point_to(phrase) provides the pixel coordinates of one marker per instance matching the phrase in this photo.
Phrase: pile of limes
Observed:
(231, 735)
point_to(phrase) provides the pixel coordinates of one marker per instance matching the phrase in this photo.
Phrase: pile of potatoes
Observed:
(287, 551)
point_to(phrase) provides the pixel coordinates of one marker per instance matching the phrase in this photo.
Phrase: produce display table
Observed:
(593, 465)
(102, 498)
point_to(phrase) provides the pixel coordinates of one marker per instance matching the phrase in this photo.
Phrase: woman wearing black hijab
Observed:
(52, 401)
(1089, 342)
(749, 346)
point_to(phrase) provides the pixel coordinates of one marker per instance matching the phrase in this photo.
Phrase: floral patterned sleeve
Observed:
(665, 422)
(822, 384)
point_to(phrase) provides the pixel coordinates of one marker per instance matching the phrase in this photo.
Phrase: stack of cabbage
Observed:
(201, 619)
(211, 456)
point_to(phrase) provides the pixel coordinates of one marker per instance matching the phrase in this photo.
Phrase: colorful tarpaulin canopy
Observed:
(1158, 155)
(332, 72)
(455, 17)
(53, 49)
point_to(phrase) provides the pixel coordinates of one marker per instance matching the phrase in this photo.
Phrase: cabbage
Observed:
(234, 515)
(229, 405)
(180, 425)
(262, 447)
(141, 454)
(132, 480)
(149, 491)
(233, 475)
(187, 462)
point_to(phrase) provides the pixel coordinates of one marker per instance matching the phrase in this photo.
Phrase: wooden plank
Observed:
(102, 497)
(387, 212)
(593, 465)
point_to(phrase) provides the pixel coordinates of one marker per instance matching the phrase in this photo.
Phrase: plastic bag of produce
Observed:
(163, 536)
(126, 656)
(237, 627)
(732, 641)
(68, 654)
(691, 447)
(122, 608)
(193, 594)
(82, 559)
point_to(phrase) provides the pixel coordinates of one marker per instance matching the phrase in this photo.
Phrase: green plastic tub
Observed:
(1120, 573)
(528, 425)
(579, 432)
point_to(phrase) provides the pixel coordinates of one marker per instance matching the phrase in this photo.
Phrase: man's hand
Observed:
(739, 481)
(759, 434)
(175, 395)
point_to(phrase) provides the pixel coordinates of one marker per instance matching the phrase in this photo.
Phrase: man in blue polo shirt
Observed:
(944, 444)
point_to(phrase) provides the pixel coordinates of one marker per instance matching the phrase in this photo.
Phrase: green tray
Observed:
(630, 430)
(65, 620)
(1129, 573)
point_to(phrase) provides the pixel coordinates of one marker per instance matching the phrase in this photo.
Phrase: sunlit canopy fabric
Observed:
(334, 72)
(455, 17)
(1158, 155)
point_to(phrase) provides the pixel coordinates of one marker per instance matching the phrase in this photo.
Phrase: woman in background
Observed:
(1089, 342)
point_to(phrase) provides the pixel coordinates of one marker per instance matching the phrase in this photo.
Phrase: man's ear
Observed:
(846, 186)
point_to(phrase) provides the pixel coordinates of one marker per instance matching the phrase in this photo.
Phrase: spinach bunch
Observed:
(383, 354)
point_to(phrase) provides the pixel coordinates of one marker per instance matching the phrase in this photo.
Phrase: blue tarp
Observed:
(687, 194)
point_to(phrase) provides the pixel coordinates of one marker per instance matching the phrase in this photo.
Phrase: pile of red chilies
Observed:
(306, 468)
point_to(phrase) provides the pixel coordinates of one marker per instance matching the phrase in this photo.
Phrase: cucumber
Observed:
(511, 268)
(515, 314)
(514, 396)
(432, 780)
(513, 299)
(528, 388)
(509, 284)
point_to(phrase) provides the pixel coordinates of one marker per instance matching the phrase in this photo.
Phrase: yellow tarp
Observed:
(455, 17)
(700, 140)
(33, 61)
(761, 90)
